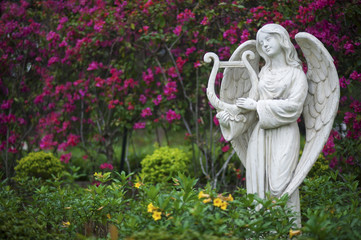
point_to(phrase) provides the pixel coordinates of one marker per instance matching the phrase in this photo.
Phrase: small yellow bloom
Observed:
(217, 202)
(202, 195)
(66, 224)
(108, 216)
(294, 233)
(151, 208)
(138, 184)
(157, 215)
(224, 205)
(98, 175)
(207, 200)
(229, 198)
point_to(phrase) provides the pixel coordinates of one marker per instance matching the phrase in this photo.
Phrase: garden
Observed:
(107, 132)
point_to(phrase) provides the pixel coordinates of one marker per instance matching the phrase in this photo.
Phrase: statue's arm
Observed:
(274, 113)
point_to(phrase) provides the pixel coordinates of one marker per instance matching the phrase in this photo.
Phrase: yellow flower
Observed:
(294, 233)
(224, 205)
(157, 215)
(98, 175)
(151, 208)
(138, 184)
(66, 224)
(229, 198)
(202, 195)
(207, 200)
(108, 216)
(217, 202)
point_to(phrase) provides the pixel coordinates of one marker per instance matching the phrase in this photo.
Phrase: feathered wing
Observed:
(236, 83)
(321, 104)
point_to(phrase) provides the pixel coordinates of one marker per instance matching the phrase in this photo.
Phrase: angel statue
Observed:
(258, 111)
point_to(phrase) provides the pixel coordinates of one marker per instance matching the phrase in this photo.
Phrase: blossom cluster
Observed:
(220, 201)
(75, 73)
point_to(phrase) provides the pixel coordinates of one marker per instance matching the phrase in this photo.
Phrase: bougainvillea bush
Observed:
(87, 73)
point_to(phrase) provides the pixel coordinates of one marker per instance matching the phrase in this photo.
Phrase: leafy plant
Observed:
(38, 164)
(164, 163)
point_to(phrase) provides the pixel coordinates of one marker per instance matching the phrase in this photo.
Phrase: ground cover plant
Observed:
(120, 208)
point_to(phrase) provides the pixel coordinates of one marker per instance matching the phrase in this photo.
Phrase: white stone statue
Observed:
(258, 112)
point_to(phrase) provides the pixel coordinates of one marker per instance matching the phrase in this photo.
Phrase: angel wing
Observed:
(235, 84)
(321, 104)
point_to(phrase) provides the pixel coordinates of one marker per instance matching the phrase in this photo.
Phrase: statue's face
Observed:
(270, 44)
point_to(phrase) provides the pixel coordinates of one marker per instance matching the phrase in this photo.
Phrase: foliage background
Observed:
(80, 78)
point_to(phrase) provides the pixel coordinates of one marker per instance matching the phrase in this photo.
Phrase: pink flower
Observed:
(63, 44)
(355, 76)
(6, 104)
(52, 35)
(170, 89)
(47, 142)
(215, 120)
(245, 35)
(349, 47)
(106, 166)
(142, 99)
(146, 112)
(185, 16)
(53, 60)
(180, 63)
(172, 72)
(172, 115)
(92, 66)
(63, 20)
(204, 21)
(190, 51)
(62, 146)
(65, 157)
(197, 64)
(148, 76)
(139, 125)
(224, 53)
(157, 100)
(99, 26)
(73, 140)
(177, 30)
(231, 34)
(225, 148)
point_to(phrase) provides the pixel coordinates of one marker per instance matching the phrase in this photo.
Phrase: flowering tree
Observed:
(85, 73)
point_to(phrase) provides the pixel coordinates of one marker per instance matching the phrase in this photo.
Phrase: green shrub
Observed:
(39, 165)
(331, 206)
(320, 168)
(164, 163)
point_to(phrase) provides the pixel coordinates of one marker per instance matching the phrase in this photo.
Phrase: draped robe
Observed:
(273, 148)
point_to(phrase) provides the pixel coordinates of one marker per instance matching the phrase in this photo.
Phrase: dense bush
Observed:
(55, 210)
(163, 164)
(87, 73)
(331, 205)
(38, 164)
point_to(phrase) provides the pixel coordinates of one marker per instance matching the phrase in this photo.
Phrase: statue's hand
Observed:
(224, 118)
(246, 103)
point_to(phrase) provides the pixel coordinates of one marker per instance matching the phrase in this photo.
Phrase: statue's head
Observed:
(281, 34)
